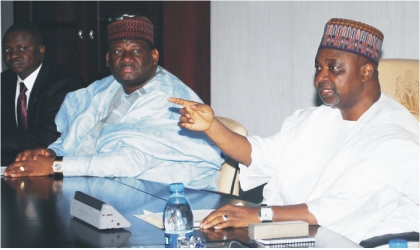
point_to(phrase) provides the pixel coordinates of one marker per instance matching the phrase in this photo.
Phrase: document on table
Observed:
(156, 218)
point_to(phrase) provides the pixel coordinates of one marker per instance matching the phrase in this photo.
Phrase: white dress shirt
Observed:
(29, 83)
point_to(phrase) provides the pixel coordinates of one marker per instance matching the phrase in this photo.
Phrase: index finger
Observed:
(180, 101)
(13, 168)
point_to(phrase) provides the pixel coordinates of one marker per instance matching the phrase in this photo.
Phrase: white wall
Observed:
(262, 53)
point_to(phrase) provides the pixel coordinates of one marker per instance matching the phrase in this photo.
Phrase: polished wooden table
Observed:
(35, 212)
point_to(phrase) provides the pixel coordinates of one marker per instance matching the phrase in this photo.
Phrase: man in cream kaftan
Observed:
(343, 170)
(351, 165)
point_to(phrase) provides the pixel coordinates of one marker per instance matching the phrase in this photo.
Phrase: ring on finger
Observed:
(224, 217)
(22, 168)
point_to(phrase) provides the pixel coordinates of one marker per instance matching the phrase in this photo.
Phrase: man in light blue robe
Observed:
(123, 125)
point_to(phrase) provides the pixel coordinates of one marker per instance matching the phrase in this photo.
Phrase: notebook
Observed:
(305, 241)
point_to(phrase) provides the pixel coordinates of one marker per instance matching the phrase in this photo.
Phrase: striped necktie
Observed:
(21, 109)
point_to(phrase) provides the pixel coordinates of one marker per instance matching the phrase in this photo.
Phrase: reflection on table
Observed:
(93, 237)
(36, 213)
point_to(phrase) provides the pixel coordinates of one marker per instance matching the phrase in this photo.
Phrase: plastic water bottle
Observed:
(177, 216)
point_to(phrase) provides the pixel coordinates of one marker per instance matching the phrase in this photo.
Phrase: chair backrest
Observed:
(399, 78)
(229, 179)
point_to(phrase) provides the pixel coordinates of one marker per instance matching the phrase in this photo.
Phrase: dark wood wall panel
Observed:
(182, 35)
(186, 42)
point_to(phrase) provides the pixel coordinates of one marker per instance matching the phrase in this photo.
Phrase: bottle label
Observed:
(171, 239)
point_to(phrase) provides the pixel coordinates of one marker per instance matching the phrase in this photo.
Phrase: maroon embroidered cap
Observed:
(131, 27)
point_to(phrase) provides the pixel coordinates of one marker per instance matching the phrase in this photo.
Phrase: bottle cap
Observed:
(176, 187)
(398, 243)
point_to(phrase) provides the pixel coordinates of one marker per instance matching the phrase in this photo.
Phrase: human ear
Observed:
(107, 58)
(367, 71)
(155, 56)
(42, 50)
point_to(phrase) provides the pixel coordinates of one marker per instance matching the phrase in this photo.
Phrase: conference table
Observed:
(35, 212)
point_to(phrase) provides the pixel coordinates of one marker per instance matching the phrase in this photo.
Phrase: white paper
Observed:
(156, 218)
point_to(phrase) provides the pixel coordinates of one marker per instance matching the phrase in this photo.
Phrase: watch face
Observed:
(57, 167)
(267, 214)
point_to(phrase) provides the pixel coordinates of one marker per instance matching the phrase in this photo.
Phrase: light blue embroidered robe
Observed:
(145, 143)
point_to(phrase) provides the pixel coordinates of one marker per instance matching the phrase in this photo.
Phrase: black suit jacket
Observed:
(50, 88)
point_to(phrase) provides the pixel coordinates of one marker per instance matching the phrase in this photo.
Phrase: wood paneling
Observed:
(186, 29)
(182, 35)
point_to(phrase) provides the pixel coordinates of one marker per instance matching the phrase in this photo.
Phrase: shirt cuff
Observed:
(76, 165)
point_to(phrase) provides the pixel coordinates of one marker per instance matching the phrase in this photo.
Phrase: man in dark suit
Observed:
(32, 92)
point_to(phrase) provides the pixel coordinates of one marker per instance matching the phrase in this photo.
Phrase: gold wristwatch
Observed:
(58, 165)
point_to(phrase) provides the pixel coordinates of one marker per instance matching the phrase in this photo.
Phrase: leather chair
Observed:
(383, 240)
(399, 78)
(229, 179)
